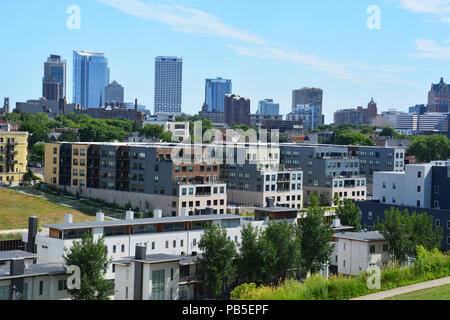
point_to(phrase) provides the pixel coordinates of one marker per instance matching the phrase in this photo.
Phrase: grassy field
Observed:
(15, 208)
(437, 293)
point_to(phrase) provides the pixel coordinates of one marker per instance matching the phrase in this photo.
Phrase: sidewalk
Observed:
(406, 289)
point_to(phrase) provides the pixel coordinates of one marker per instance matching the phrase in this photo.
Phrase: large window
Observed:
(4, 292)
(158, 285)
(114, 231)
(230, 223)
(144, 229)
(173, 227)
(75, 234)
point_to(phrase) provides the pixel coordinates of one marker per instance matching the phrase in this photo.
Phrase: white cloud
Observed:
(439, 8)
(430, 49)
(193, 21)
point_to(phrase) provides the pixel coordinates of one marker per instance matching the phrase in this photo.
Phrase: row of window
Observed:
(190, 204)
(202, 168)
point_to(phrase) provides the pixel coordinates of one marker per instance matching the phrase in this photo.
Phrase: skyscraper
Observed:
(114, 93)
(237, 110)
(215, 91)
(54, 80)
(90, 77)
(267, 106)
(308, 96)
(168, 84)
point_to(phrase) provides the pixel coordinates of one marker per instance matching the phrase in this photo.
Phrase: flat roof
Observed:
(361, 236)
(159, 258)
(137, 222)
(33, 270)
(16, 254)
(276, 209)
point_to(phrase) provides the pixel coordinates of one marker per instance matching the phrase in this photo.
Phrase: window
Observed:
(372, 249)
(436, 204)
(123, 248)
(369, 215)
(385, 247)
(62, 285)
(158, 285)
(437, 223)
(419, 188)
(418, 203)
(41, 288)
(419, 174)
(436, 189)
(114, 249)
(448, 225)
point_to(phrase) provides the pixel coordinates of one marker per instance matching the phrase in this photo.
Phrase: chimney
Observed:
(17, 267)
(129, 215)
(68, 218)
(32, 232)
(157, 213)
(141, 252)
(183, 212)
(336, 223)
(100, 216)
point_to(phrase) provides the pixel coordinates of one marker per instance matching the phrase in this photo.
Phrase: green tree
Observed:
(68, 136)
(349, 215)
(216, 265)
(396, 229)
(323, 200)
(316, 247)
(92, 259)
(38, 152)
(424, 233)
(336, 199)
(353, 138)
(428, 148)
(281, 246)
(314, 200)
(251, 255)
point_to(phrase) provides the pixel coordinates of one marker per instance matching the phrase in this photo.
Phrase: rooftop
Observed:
(119, 223)
(159, 258)
(361, 236)
(34, 270)
(10, 255)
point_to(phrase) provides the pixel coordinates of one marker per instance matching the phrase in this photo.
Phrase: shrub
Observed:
(431, 263)
(241, 292)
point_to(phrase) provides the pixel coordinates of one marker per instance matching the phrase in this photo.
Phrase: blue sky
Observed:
(268, 48)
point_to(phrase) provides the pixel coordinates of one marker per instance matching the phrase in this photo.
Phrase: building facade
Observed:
(114, 93)
(307, 114)
(54, 80)
(13, 156)
(237, 110)
(309, 96)
(168, 84)
(90, 77)
(439, 96)
(145, 175)
(267, 106)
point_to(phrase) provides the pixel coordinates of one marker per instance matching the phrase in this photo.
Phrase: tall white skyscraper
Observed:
(168, 84)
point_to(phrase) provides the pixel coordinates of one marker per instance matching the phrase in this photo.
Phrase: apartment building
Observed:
(249, 185)
(411, 187)
(13, 156)
(21, 279)
(374, 159)
(420, 188)
(156, 277)
(327, 169)
(144, 175)
(161, 235)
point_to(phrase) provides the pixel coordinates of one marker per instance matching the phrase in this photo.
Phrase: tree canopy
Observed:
(92, 259)
(429, 148)
(349, 214)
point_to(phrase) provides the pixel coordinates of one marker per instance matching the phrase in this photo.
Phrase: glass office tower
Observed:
(215, 91)
(90, 77)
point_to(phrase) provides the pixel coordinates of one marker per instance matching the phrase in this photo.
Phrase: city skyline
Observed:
(398, 75)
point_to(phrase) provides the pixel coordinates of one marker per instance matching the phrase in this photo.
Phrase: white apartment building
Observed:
(411, 187)
(169, 235)
(432, 121)
(356, 251)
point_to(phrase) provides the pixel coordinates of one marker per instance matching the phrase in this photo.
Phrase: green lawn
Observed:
(16, 207)
(437, 293)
